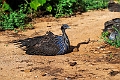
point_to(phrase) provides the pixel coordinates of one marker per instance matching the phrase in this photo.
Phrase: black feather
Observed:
(48, 44)
(112, 23)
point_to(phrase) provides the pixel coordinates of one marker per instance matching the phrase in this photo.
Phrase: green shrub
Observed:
(58, 8)
(64, 8)
(6, 7)
(35, 4)
(95, 4)
(68, 7)
(13, 19)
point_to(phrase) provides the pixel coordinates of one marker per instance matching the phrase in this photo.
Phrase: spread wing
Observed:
(40, 45)
(48, 45)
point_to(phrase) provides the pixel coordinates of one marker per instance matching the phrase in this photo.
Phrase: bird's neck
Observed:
(65, 37)
(64, 34)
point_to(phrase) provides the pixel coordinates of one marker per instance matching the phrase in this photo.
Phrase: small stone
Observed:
(98, 47)
(113, 73)
(29, 64)
(107, 52)
(54, 78)
(36, 76)
(48, 26)
(72, 63)
(1, 68)
(68, 78)
(96, 52)
(45, 74)
(102, 49)
(102, 46)
(75, 50)
(26, 70)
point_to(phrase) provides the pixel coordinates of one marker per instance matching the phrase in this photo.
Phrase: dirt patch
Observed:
(95, 60)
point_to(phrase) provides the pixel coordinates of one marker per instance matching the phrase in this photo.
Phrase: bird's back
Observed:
(48, 44)
(112, 23)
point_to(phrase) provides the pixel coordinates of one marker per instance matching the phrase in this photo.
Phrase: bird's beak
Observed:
(69, 27)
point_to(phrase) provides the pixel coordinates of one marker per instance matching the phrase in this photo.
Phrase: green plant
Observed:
(64, 8)
(35, 4)
(60, 8)
(115, 42)
(111, 56)
(95, 4)
(0, 3)
(6, 7)
(15, 19)
(118, 1)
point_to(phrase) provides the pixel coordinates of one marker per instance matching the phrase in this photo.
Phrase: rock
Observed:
(96, 52)
(54, 78)
(72, 63)
(107, 52)
(26, 70)
(113, 73)
(68, 78)
(46, 74)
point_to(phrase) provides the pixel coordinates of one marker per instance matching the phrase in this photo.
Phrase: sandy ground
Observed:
(93, 61)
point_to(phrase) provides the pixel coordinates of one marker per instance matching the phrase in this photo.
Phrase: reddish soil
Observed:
(95, 60)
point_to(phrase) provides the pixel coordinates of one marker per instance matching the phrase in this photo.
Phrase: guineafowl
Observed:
(48, 44)
(111, 27)
(113, 7)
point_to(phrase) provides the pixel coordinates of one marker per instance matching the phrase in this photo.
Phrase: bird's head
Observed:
(65, 26)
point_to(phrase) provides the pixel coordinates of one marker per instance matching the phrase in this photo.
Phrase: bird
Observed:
(113, 7)
(112, 26)
(48, 44)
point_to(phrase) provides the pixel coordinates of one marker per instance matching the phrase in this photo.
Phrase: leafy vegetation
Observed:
(12, 18)
(118, 1)
(95, 4)
(115, 42)
(66, 7)
(35, 4)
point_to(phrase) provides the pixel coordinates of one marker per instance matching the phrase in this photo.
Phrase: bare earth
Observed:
(93, 61)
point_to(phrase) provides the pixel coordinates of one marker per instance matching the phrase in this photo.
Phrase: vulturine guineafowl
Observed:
(48, 44)
(111, 27)
(113, 7)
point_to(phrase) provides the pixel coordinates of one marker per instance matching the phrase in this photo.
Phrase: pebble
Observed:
(96, 52)
(1, 68)
(113, 73)
(54, 79)
(45, 74)
(75, 50)
(36, 76)
(107, 52)
(72, 63)
(102, 49)
(68, 78)
(26, 70)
